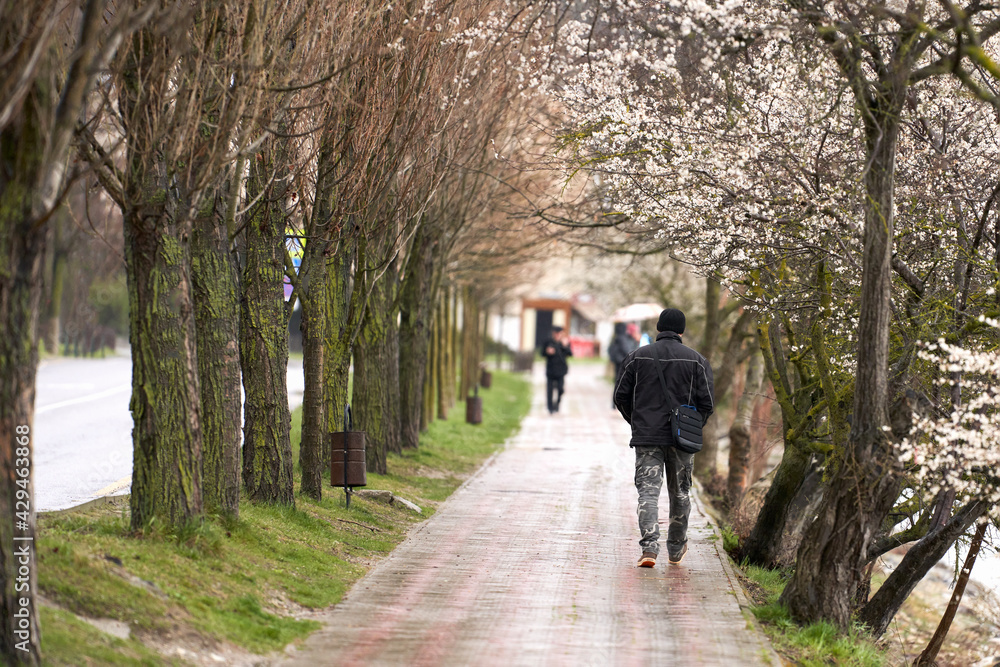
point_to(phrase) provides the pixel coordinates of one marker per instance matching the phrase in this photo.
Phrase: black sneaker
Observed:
(677, 555)
(648, 559)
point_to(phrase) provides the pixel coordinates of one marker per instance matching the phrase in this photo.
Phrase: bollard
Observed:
(474, 408)
(485, 378)
(347, 457)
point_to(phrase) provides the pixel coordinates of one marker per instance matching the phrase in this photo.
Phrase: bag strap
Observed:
(663, 382)
(690, 388)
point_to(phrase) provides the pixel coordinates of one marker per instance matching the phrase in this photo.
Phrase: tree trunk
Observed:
(470, 328)
(763, 546)
(430, 387)
(216, 309)
(442, 366)
(314, 320)
(375, 381)
(22, 250)
(929, 655)
(917, 562)
(53, 310)
(339, 336)
(454, 353)
(706, 463)
(862, 489)
(417, 300)
(739, 433)
(267, 450)
(166, 392)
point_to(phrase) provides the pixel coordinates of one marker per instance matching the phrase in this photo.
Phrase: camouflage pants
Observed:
(650, 463)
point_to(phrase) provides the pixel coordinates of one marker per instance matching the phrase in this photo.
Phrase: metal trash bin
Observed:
(523, 361)
(474, 408)
(347, 457)
(485, 378)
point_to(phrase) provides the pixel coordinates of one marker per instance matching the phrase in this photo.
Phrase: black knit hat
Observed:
(671, 319)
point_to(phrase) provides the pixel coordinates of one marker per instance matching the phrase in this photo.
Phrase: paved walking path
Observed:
(532, 562)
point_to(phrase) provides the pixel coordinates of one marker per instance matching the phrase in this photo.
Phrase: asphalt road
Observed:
(83, 428)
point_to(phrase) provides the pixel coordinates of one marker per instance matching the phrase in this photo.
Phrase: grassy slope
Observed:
(814, 645)
(240, 583)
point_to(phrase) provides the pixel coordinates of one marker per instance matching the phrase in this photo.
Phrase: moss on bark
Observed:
(267, 450)
(216, 302)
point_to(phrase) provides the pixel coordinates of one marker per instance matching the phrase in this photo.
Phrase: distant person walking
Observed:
(639, 396)
(555, 349)
(623, 343)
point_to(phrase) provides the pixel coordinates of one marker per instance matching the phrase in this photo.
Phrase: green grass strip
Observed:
(240, 583)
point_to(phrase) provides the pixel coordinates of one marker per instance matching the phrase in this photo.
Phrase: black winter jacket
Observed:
(620, 347)
(555, 363)
(639, 395)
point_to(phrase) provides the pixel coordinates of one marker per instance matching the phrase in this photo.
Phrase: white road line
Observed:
(84, 399)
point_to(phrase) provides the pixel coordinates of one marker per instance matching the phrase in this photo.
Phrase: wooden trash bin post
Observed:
(347, 457)
(474, 408)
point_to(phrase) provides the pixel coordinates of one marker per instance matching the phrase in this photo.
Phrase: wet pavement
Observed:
(532, 562)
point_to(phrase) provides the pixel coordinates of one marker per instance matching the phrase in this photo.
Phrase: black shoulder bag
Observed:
(685, 421)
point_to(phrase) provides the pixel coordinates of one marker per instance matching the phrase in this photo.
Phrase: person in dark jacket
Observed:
(555, 349)
(621, 345)
(640, 398)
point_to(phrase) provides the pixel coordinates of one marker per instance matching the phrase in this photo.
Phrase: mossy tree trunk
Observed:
(864, 486)
(441, 363)
(376, 373)
(343, 304)
(166, 399)
(313, 286)
(763, 545)
(430, 385)
(454, 353)
(217, 316)
(34, 143)
(267, 450)
(22, 246)
(417, 298)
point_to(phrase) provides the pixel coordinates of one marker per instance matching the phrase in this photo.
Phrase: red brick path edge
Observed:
(532, 562)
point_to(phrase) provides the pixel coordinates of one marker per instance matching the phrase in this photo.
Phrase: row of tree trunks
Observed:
(267, 450)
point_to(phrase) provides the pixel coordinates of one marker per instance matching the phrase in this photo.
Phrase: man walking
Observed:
(646, 405)
(555, 350)
(621, 345)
